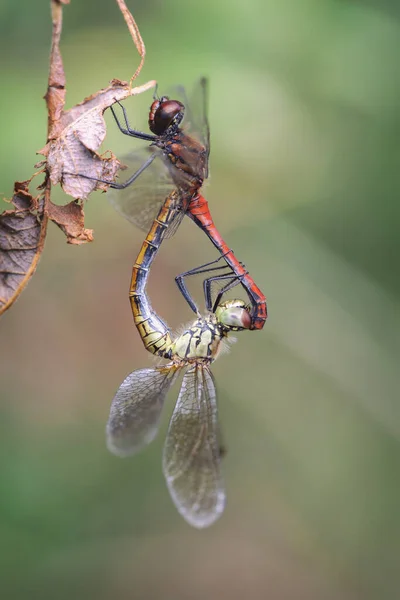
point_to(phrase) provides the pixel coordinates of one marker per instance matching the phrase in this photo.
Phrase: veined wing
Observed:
(191, 460)
(196, 122)
(140, 202)
(136, 409)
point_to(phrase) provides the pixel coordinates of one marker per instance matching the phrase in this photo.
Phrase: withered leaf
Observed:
(76, 137)
(71, 220)
(22, 235)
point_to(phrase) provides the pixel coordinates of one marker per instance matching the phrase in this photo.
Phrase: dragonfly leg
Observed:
(184, 291)
(127, 130)
(234, 281)
(205, 268)
(196, 271)
(113, 184)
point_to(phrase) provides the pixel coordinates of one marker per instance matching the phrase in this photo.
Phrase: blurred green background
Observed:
(305, 120)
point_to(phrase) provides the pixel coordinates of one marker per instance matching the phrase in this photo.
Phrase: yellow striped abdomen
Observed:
(152, 330)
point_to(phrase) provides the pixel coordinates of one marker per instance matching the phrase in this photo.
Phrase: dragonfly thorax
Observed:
(186, 157)
(200, 341)
(203, 339)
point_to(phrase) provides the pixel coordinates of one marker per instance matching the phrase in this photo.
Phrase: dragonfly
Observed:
(192, 450)
(176, 162)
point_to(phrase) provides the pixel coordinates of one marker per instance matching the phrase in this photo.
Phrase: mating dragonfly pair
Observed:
(168, 177)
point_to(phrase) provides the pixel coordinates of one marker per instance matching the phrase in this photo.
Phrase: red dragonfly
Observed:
(177, 160)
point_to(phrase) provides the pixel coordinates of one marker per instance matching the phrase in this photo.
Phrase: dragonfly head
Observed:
(233, 315)
(165, 113)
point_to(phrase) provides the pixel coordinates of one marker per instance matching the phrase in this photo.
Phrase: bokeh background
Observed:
(305, 120)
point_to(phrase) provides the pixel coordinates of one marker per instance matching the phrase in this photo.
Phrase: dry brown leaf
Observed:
(71, 220)
(76, 137)
(22, 235)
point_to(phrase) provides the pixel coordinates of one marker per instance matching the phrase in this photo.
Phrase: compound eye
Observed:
(237, 318)
(234, 315)
(166, 113)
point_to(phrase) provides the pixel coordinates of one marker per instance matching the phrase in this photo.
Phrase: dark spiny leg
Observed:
(196, 271)
(183, 289)
(127, 130)
(118, 186)
(234, 281)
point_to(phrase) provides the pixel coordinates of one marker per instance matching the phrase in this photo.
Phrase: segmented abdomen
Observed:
(152, 330)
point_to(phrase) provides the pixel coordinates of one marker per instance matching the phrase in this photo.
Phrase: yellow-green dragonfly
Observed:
(192, 452)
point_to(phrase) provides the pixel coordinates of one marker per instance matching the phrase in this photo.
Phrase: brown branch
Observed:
(135, 33)
(23, 230)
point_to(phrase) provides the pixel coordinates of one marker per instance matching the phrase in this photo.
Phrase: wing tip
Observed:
(116, 449)
(194, 515)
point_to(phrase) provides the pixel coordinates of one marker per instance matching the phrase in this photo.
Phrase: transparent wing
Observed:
(196, 111)
(136, 409)
(140, 202)
(191, 461)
